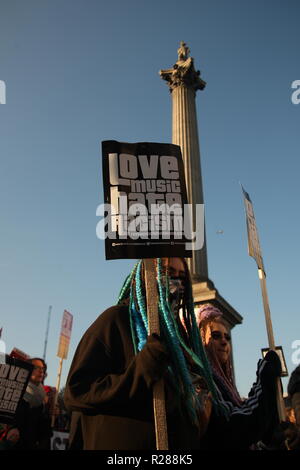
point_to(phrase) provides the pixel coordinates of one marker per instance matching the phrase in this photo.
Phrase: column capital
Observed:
(183, 72)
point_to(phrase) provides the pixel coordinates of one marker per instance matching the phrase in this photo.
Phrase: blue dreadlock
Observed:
(133, 288)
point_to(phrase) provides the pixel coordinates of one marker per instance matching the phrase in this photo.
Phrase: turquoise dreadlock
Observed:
(133, 288)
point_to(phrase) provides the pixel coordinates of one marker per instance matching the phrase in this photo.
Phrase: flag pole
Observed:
(47, 333)
(159, 405)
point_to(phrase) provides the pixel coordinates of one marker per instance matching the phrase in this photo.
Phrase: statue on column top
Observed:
(183, 72)
(183, 51)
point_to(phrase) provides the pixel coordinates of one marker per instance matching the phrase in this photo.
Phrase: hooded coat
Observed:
(110, 390)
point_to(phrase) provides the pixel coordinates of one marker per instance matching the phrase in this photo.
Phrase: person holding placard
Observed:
(110, 382)
(14, 378)
(37, 431)
(251, 419)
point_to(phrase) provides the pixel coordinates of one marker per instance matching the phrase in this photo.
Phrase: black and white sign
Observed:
(59, 440)
(146, 213)
(65, 335)
(253, 240)
(14, 377)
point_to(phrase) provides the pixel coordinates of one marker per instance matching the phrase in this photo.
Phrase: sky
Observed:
(80, 72)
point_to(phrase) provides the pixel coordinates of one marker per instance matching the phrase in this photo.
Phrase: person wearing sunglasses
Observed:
(216, 338)
(251, 419)
(36, 420)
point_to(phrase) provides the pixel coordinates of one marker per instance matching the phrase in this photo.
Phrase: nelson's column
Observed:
(184, 81)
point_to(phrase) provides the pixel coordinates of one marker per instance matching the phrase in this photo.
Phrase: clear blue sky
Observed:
(79, 72)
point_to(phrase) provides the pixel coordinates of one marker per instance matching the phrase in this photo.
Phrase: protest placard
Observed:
(65, 335)
(147, 214)
(59, 440)
(14, 377)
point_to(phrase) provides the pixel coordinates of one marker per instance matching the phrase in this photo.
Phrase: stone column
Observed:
(184, 81)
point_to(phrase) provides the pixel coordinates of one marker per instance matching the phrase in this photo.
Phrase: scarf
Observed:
(34, 395)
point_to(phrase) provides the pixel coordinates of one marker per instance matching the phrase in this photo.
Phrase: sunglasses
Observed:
(219, 335)
(39, 368)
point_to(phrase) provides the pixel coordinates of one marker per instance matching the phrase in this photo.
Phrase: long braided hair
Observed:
(176, 342)
(223, 373)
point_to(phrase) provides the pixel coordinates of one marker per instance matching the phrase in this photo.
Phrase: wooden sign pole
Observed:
(57, 391)
(158, 388)
(255, 252)
(279, 397)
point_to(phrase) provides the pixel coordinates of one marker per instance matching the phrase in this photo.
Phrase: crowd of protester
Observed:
(32, 427)
(117, 363)
(108, 400)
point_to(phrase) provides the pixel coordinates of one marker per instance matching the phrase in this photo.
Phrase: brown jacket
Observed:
(111, 387)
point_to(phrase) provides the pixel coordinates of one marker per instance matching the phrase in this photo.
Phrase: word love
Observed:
(125, 167)
(13, 373)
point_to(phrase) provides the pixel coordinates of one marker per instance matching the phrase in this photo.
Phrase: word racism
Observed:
(12, 382)
(296, 94)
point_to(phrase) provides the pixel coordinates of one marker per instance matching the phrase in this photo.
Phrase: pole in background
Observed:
(255, 252)
(62, 353)
(47, 332)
